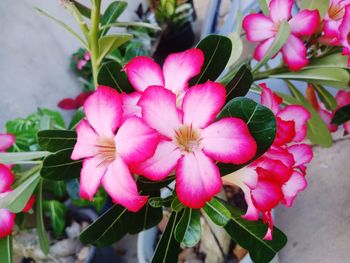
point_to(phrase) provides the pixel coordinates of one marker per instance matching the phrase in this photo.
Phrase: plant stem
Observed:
(94, 35)
(267, 73)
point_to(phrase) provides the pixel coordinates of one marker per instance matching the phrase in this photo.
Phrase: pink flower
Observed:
(191, 140)
(343, 99)
(82, 62)
(344, 32)
(6, 141)
(263, 29)
(108, 153)
(74, 104)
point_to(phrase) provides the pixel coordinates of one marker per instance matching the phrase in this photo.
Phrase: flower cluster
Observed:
(83, 61)
(279, 175)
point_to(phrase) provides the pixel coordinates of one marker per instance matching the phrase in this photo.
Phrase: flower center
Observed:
(336, 12)
(187, 138)
(106, 150)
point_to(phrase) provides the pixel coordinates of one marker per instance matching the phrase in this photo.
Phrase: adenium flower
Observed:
(108, 147)
(192, 140)
(6, 141)
(344, 32)
(263, 29)
(343, 99)
(279, 175)
(74, 103)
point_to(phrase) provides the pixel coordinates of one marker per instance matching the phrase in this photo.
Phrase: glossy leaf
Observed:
(6, 249)
(188, 230)
(108, 43)
(40, 226)
(217, 52)
(217, 212)
(59, 166)
(326, 97)
(113, 11)
(320, 5)
(240, 84)
(57, 212)
(112, 75)
(335, 60)
(85, 11)
(55, 140)
(342, 115)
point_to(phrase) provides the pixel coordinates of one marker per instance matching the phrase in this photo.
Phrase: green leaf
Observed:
(217, 212)
(145, 184)
(176, 205)
(19, 157)
(167, 250)
(160, 202)
(108, 43)
(6, 249)
(237, 48)
(59, 166)
(132, 24)
(43, 239)
(77, 117)
(317, 130)
(249, 235)
(113, 11)
(188, 230)
(342, 115)
(335, 60)
(280, 39)
(111, 75)
(326, 97)
(217, 52)
(240, 84)
(57, 212)
(17, 199)
(85, 11)
(334, 77)
(320, 5)
(264, 6)
(55, 140)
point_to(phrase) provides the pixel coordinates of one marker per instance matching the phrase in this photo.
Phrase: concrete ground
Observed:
(34, 72)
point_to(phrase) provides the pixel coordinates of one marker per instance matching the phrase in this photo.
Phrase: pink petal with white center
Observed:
(197, 179)
(244, 177)
(294, 53)
(342, 98)
(180, 67)
(135, 140)
(258, 27)
(29, 204)
(229, 141)
(280, 9)
(300, 116)
(103, 110)
(266, 195)
(302, 153)
(86, 141)
(121, 186)
(130, 107)
(7, 222)
(262, 48)
(202, 103)
(143, 72)
(161, 164)
(296, 183)
(270, 99)
(90, 177)
(6, 141)
(331, 28)
(159, 110)
(6, 178)
(305, 23)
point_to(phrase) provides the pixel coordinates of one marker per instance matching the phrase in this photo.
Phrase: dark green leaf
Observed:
(6, 249)
(176, 205)
(160, 202)
(320, 5)
(240, 84)
(111, 75)
(59, 166)
(188, 230)
(217, 212)
(57, 212)
(148, 185)
(43, 239)
(85, 11)
(326, 97)
(217, 52)
(342, 115)
(113, 11)
(55, 140)
(77, 117)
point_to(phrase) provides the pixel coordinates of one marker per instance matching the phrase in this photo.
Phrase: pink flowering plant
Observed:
(187, 127)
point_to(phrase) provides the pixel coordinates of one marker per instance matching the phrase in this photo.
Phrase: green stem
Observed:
(267, 73)
(94, 35)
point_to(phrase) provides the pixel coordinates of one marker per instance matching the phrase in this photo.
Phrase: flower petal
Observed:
(274, 170)
(302, 153)
(86, 141)
(296, 183)
(7, 222)
(6, 141)
(143, 72)
(159, 110)
(285, 132)
(252, 212)
(103, 110)
(294, 53)
(344, 28)
(130, 107)
(270, 99)
(29, 204)
(202, 103)
(305, 23)
(229, 141)
(280, 9)
(258, 27)
(342, 98)
(180, 67)
(262, 48)
(6, 178)
(68, 104)
(197, 179)
(280, 154)
(121, 186)
(135, 141)
(266, 195)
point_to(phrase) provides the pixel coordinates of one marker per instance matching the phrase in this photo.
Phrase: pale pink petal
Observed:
(262, 48)
(266, 195)
(103, 110)
(280, 9)
(159, 110)
(305, 23)
(197, 179)
(121, 186)
(258, 27)
(270, 99)
(244, 177)
(296, 183)
(344, 28)
(180, 67)
(130, 107)
(90, 177)
(302, 153)
(294, 53)
(135, 140)
(6, 178)
(6, 141)
(252, 212)
(143, 72)
(7, 222)
(202, 103)
(161, 164)
(280, 154)
(300, 116)
(331, 28)
(86, 141)
(229, 141)
(327, 118)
